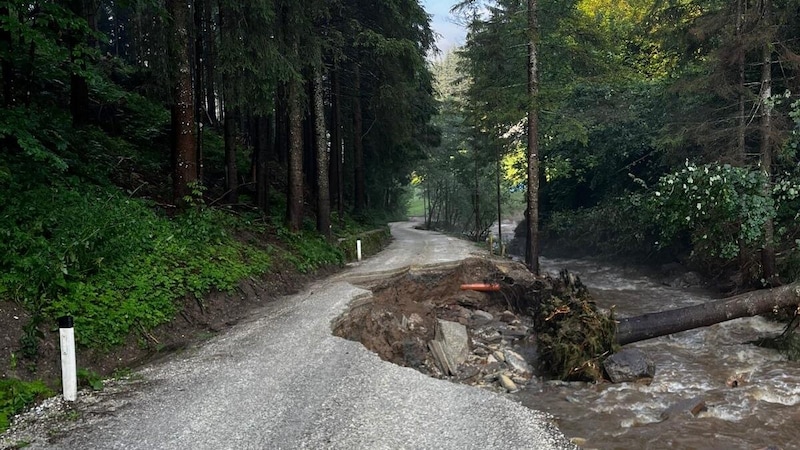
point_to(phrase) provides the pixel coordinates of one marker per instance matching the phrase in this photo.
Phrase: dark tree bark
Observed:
(79, 100)
(231, 170)
(282, 124)
(740, 62)
(532, 232)
(768, 271)
(336, 169)
(183, 120)
(199, 61)
(477, 201)
(209, 41)
(263, 143)
(358, 144)
(321, 141)
(294, 199)
(653, 325)
(6, 65)
(309, 138)
(499, 199)
(200, 28)
(230, 111)
(79, 88)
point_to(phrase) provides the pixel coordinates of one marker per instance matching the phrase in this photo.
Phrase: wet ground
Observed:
(751, 395)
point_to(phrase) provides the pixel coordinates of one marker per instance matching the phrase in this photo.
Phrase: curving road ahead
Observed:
(282, 380)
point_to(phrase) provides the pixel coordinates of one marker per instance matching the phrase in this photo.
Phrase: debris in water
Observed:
(550, 321)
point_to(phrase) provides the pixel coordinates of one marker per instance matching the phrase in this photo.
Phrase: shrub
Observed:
(17, 395)
(111, 262)
(309, 251)
(721, 207)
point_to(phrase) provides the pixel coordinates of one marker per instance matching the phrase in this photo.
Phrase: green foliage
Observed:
(371, 243)
(309, 251)
(16, 395)
(722, 208)
(715, 210)
(794, 114)
(617, 226)
(111, 262)
(40, 135)
(87, 377)
(31, 334)
(416, 204)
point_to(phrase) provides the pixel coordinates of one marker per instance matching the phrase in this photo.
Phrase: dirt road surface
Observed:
(282, 380)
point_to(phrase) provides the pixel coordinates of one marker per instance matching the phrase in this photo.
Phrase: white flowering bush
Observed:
(793, 142)
(716, 210)
(722, 208)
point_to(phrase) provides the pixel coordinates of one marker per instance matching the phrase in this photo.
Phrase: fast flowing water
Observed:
(762, 410)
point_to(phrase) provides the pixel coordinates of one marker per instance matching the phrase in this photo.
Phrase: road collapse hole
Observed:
(424, 320)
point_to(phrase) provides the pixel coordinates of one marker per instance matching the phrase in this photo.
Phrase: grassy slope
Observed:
(125, 266)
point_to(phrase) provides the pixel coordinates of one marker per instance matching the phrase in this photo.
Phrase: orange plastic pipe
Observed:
(482, 287)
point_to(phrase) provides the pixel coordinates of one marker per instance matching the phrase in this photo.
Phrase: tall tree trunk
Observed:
(79, 88)
(199, 61)
(230, 112)
(768, 272)
(647, 326)
(742, 125)
(429, 217)
(532, 232)
(6, 65)
(209, 40)
(321, 141)
(183, 127)
(477, 203)
(336, 170)
(499, 210)
(358, 144)
(309, 138)
(294, 200)
(79, 100)
(28, 66)
(199, 83)
(231, 169)
(282, 124)
(263, 142)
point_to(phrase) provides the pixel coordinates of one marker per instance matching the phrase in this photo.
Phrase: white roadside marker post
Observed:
(69, 377)
(358, 249)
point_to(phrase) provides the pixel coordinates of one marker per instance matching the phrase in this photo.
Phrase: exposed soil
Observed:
(195, 322)
(530, 321)
(399, 321)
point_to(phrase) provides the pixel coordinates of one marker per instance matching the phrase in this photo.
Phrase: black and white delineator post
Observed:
(358, 249)
(69, 376)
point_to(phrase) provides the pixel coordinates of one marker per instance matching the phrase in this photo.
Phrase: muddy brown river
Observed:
(762, 411)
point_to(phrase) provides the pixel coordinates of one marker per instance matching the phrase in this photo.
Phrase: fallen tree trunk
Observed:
(574, 336)
(647, 326)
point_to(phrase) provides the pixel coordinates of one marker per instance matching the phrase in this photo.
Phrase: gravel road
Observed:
(282, 380)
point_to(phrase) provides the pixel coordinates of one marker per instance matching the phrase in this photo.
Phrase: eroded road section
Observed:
(282, 380)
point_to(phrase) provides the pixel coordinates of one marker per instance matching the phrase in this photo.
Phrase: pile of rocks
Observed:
(480, 348)
(424, 320)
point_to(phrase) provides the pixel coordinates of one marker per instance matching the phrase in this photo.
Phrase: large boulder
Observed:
(630, 364)
(450, 345)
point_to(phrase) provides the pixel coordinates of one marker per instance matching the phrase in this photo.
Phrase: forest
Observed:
(153, 150)
(667, 130)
